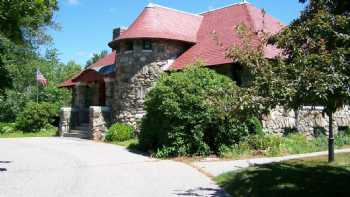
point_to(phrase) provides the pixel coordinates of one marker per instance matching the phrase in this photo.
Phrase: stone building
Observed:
(161, 40)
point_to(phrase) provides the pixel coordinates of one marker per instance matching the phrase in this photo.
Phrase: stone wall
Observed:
(306, 120)
(136, 73)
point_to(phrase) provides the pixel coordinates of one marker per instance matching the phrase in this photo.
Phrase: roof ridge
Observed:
(152, 5)
(226, 6)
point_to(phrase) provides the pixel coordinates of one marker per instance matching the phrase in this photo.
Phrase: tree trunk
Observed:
(330, 139)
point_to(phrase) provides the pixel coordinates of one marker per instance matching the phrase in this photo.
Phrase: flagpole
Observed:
(37, 87)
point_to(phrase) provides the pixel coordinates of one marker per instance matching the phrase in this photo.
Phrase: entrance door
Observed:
(102, 93)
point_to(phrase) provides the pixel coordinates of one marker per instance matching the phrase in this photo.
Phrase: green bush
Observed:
(13, 102)
(36, 116)
(188, 113)
(254, 126)
(342, 139)
(272, 145)
(235, 151)
(268, 144)
(230, 131)
(119, 132)
(7, 127)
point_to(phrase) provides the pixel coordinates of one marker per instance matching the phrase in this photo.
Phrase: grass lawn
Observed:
(127, 143)
(308, 177)
(18, 134)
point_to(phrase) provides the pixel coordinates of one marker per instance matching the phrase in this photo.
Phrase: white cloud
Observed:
(73, 2)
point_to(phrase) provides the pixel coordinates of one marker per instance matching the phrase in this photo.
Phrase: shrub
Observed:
(269, 144)
(254, 126)
(230, 132)
(7, 127)
(342, 139)
(189, 113)
(235, 151)
(297, 143)
(36, 116)
(119, 132)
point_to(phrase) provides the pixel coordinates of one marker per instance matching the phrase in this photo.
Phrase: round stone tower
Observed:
(145, 50)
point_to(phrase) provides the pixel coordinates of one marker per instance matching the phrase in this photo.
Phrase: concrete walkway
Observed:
(215, 168)
(63, 167)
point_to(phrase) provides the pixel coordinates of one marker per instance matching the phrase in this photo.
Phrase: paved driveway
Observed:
(53, 167)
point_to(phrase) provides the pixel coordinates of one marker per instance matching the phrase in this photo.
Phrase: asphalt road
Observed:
(64, 167)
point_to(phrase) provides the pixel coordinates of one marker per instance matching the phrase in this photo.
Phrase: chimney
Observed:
(117, 32)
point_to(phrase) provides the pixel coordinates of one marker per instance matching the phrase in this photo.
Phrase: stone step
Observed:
(77, 134)
(79, 131)
(84, 124)
(81, 128)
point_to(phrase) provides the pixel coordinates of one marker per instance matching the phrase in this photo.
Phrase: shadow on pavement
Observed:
(289, 179)
(202, 192)
(4, 162)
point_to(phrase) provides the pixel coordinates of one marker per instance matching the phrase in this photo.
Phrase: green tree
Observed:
(316, 58)
(22, 27)
(24, 21)
(22, 71)
(263, 90)
(96, 57)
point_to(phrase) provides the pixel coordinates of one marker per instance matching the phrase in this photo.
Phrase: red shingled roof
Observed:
(160, 22)
(66, 84)
(220, 23)
(105, 61)
(205, 31)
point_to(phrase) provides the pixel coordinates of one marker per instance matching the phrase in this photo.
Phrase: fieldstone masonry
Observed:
(305, 120)
(99, 120)
(136, 73)
(68, 120)
(65, 115)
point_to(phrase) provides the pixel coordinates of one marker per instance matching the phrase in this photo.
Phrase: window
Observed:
(147, 45)
(117, 48)
(129, 46)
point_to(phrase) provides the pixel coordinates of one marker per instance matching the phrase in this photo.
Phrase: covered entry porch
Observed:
(90, 112)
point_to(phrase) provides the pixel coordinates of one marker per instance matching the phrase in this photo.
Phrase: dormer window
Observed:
(147, 45)
(129, 46)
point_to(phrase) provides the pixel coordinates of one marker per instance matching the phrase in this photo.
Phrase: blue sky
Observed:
(86, 25)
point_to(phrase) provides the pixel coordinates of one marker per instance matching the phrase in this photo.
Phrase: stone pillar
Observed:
(99, 120)
(65, 117)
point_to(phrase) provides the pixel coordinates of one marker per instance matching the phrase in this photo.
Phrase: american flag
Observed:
(40, 78)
